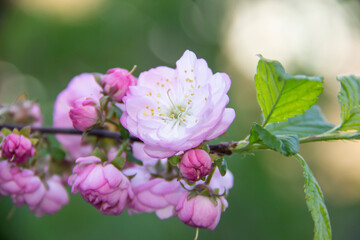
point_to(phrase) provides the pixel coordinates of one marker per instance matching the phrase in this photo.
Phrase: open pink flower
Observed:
(116, 82)
(83, 85)
(173, 110)
(153, 194)
(17, 148)
(102, 185)
(54, 198)
(200, 211)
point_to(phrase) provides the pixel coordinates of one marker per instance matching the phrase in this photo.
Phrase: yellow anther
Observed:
(185, 71)
(192, 94)
(163, 85)
(145, 113)
(192, 86)
(147, 107)
(167, 80)
(172, 115)
(182, 109)
(150, 93)
(192, 70)
(159, 108)
(196, 120)
(158, 83)
(186, 95)
(152, 109)
(152, 114)
(189, 101)
(206, 99)
(199, 86)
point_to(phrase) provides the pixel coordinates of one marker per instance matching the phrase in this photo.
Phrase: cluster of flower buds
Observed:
(168, 170)
(21, 180)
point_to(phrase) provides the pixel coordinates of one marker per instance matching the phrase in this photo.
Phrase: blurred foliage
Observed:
(265, 202)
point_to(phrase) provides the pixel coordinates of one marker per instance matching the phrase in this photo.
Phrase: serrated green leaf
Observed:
(174, 160)
(287, 145)
(312, 122)
(5, 131)
(99, 154)
(118, 162)
(315, 203)
(281, 95)
(25, 131)
(349, 99)
(56, 153)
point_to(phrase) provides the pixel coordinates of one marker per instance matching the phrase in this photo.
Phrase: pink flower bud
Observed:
(54, 198)
(84, 113)
(200, 211)
(102, 185)
(195, 164)
(153, 195)
(17, 148)
(116, 83)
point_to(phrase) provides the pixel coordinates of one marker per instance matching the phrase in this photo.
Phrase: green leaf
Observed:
(98, 79)
(130, 158)
(25, 131)
(349, 99)
(287, 145)
(5, 131)
(281, 95)
(116, 110)
(174, 160)
(56, 153)
(315, 203)
(118, 162)
(34, 141)
(99, 154)
(312, 122)
(222, 165)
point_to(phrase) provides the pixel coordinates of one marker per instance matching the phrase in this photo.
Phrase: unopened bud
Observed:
(116, 82)
(195, 164)
(85, 113)
(17, 148)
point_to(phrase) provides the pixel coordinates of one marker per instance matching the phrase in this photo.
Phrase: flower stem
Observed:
(196, 234)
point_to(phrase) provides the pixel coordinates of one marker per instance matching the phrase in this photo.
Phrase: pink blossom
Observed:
(153, 194)
(102, 185)
(116, 83)
(84, 113)
(195, 164)
(222, 183)
(26, 112)
(21, 184)
(174, 110)
(17, 148)
(200, 211)
(83, 85)
(54, 198)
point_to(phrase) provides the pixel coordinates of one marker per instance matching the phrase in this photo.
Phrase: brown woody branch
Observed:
(222, 148)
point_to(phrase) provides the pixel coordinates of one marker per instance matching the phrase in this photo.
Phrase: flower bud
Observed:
(102, 185)
(195, 164)
(84, 113)
(116, 83)
(200, 211)
(17, 148)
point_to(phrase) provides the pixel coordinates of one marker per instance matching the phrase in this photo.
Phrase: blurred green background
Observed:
(44, 43)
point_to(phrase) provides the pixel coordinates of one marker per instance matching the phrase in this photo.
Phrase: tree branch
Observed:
(222, 148)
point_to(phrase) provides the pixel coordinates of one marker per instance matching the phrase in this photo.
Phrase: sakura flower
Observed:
(153, 194)
(83, 85)
(102, 185)
(173, 110)
(54, 198)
